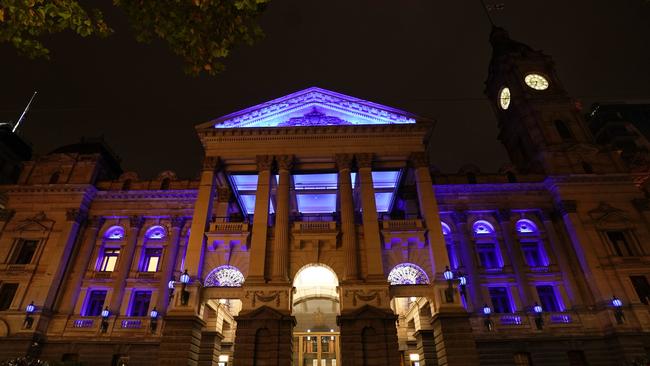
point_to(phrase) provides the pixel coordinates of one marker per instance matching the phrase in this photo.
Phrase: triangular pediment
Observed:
(313, 107)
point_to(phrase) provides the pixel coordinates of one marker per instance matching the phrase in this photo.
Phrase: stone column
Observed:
(256, 273)
(181, 341)
(201, 217)
(371, 237)
(210, 348)
(426, 347)
(80, 266)
(168, 263)
(281, 240)
(513, 248)
(264, 337)
(454, 340)
(65, 245)
(348, 227)
(469, 262)
(560, 254)
(369, 337)
(595, 276)
(124, 263)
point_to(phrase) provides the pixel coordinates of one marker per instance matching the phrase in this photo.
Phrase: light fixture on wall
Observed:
(105, 315)
(170, 286)
(618, 310)
(489, 325)
(153, 317)
(449, 292)
(29, 320)
(185, 295)
(539, 320)
(462, 281)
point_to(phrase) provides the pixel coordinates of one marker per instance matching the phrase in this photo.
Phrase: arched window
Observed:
(563, 130)
(451, 247)
(164, 185)
(114, 233)
(224, 276)
(486, 245)
(156, 232)
(532, 247)
(126, 185)
(54, 178)
(512, 178)
(407, 274)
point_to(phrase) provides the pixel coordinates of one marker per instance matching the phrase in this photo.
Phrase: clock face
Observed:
(536, 81)
(504, 98)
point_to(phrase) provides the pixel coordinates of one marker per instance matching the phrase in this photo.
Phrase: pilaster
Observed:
(348, 227)
(513, 248)
(124, 263)
(256, 273)
(371, 237)
(469, 261)
(169, 261)
(281, 230)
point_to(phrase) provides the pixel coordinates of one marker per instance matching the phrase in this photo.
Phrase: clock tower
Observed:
(539, 124)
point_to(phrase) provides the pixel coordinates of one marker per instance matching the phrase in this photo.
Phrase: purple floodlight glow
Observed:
(315, 181)
(408, 274)
(525, 226)
(482, 227)
(156, 232)
(316, 203)
(383, 201)
(385, 179)
(446, 230)
(114, 233)
(224, 276)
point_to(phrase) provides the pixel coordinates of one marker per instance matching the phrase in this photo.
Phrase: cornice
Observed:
(50, 188)
(488, 188)
(581, 179)
(186, 194)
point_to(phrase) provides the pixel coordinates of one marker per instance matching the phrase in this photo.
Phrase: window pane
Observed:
(140, 303)
(151, 259)
(547, 298)
(500, 299)
(109, 260)
(620, 244)
(641, 287)
(7, 293)
(152, 266)
(25, 251)
(95, 303)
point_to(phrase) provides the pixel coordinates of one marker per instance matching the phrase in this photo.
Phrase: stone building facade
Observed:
(318, 234)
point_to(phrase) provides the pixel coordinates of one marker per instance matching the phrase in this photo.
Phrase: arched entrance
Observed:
(315, 307)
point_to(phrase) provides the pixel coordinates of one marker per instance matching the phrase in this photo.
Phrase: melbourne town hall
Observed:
(318, 234)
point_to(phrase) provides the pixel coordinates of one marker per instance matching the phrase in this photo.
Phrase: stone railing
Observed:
(131, 324)
(511, 319)
(402, 225)
(314, 226)
(228, 227)
(83, 323)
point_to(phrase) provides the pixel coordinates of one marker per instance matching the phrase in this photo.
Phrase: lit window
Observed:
(140, 303)
(620, 244)
(407, 274)
(482, 227)
(94, 303)
(525, 227)
(156, 232)
(487, 253)
(24, 252)
(547, 298)
(7, 293)
(504, 98)
(533, 255)
(500, 300)
(151, 259)
(536, 81)
(114, 233)
(109, 259)
(224, 276)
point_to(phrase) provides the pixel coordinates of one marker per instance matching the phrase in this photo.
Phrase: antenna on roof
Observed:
(22, 116)
(489, 8)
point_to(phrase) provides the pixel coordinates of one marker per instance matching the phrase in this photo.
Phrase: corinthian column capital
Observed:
(264, 162)
(210, 163)
(343, 161)
(364, 160)
(285, 162)
(419, 159)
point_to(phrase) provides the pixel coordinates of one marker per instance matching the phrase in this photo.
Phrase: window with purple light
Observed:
(140, 303)
(156, 232)
(94, 303)
(224, 276)
(486, 245)
(109, 259)
(548, 298)
(500, 298)
(151, 259)
(114, 233)
(408, 274)
(482, 227)
(524, 226)
(451, 247)
(532, 246)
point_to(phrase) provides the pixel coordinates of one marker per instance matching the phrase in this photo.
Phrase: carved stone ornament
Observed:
(264, 162)
(285, 162)
(210, 163)
(177, 221)
(264, 296)
(38, 222)
(566, 207)
(136, 222)
(364, 160)
(343, 161)
(419, 159)
(607, 212)
(75, 215)
(365, 296)
(314, 118)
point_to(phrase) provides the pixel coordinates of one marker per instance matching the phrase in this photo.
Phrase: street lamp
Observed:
(29, 310)
(462, 281)
(487, 322)
(618, 310)
(449, 292)
(539, 321)
(170, 286)
(185, 295)
(105, 314)
(153, 324)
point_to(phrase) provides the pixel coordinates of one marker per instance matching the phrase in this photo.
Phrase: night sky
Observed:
(428, 57)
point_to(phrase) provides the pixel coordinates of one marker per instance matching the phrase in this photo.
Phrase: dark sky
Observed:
(429, 57)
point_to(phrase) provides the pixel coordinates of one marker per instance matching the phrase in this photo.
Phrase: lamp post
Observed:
(462, 281)
(449, 292)
(618, 310)
(153, 316)
(105, 314)
(487, 322)
(185, 295)
(170, 286)
(29, 310)
(539, 321)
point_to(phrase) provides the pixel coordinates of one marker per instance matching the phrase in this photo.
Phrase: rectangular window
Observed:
(140, 303)
(109, 259)
(620, 244)
(547, 298)
(24, 252)
(532, 254)
(523, 359)
(500, 300)
(7, 293)
(151, 260)
(488, 255)
(642, 288)
(577, 358)
(95, 303)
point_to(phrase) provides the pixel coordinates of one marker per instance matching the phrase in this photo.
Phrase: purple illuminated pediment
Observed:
(313, 107)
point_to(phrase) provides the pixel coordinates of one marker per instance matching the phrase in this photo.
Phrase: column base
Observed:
(426, 347)
(369, 337)
(264, 336)
(181, 341)
(454, 342)
(210, 348)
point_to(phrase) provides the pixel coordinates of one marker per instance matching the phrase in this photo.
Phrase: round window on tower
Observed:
(504, 98)
(536, 81)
